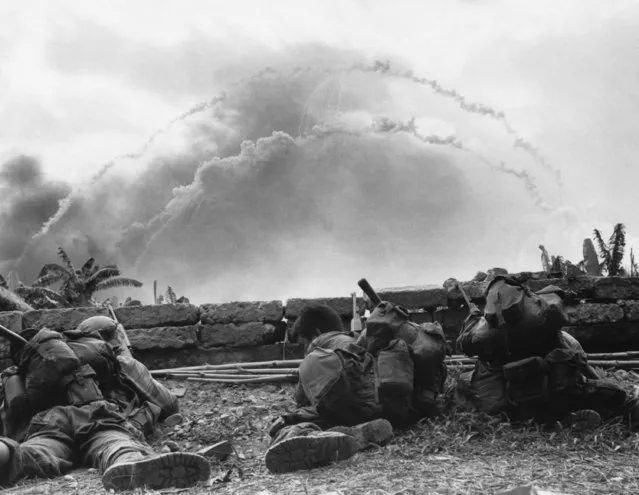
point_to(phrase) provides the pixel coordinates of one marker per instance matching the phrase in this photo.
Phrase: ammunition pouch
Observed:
(565, 371)
(537, 380)
(394, 381)
(527, 381)
(15, 409)
(81, 386)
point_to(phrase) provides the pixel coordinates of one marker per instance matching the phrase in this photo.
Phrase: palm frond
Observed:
(86, 268)
(603, 249)
(68, 290)
(67, 262)
(617, 245)
(41, 292)
(53, 267)
(10, 301)
(101, 275)
(48, 279)
(113, 283)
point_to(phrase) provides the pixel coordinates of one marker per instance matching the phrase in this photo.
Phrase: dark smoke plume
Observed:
(28, 201)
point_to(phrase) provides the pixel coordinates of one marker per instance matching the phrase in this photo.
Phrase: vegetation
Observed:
(634, 267)
(78, 286)
(611, 252)
(170, 297)
(10, 301)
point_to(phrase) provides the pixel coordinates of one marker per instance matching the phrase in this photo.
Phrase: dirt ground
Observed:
(464, 453)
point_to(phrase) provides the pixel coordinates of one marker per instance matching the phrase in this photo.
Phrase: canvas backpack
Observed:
(531, 321)
(426, 343)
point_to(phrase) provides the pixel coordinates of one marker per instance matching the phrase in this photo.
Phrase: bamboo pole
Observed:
(622, 360)
(614, 355)
(283, 371)
(268, 379)
(628, 365)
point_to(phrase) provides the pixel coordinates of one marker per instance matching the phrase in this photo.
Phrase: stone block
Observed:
(60, 319)
(158, 315)
(13, 321)
(163, 337)
(607, 337)
(474, 290)
(242, 312)
(631, 310)
(616, 288)
(240, 335)
(590, 313)
(342, 305)
(582, 286)
(424, 297)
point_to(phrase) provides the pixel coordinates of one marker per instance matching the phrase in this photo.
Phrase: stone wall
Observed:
(604, 316)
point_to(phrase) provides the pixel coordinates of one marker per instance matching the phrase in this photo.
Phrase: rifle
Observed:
(472, 307)
(369, 291)
(375, 299)
(11, 336)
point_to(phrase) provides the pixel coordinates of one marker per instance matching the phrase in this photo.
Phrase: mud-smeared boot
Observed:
(373, 433)
(583, 420)
(318, 448)
(173, 470)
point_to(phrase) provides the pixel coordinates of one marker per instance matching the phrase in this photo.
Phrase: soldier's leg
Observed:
(126, 461)
(48, 450)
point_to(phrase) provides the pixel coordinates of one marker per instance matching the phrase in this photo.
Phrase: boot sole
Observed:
(173, 470)
(297, 453)
(378, 432)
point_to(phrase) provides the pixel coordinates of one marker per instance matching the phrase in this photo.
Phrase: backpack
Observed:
(340, 385)
(426, 343)
(44, 361)
(531, 320)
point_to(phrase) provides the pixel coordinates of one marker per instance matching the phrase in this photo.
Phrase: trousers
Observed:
(65, 437)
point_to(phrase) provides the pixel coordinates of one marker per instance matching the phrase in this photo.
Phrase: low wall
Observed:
(604, 317)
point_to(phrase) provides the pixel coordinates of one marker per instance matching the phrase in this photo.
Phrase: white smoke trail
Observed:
(472, 107)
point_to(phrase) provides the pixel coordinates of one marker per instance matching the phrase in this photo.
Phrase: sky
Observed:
(287, 184)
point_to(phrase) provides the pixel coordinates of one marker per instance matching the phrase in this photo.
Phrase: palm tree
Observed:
(612, 252)
(78, 286)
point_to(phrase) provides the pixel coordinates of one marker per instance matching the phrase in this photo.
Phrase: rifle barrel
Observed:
(11, 335)
(369, 291)
(464, 295)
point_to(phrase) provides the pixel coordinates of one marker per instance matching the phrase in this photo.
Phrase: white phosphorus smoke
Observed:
(294, 182)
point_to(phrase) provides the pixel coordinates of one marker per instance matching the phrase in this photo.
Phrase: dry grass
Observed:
(464, 453)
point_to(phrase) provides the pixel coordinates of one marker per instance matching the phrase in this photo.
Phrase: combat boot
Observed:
(311, 450)
(586, 419)
(173, 470)
(373, 433)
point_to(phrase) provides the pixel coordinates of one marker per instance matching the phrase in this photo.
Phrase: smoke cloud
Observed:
(295, 181)
(28, 200)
